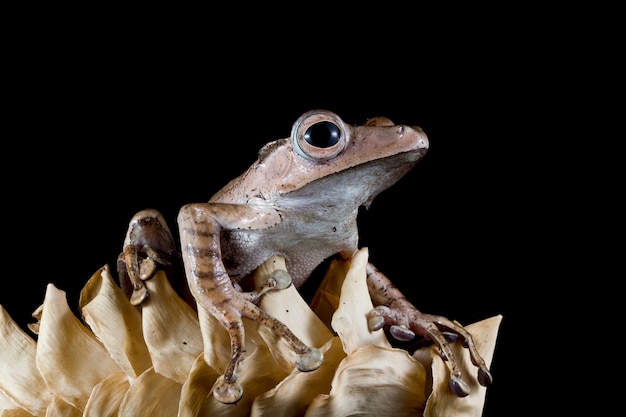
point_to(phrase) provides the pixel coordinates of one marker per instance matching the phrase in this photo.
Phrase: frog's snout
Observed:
(422, 139)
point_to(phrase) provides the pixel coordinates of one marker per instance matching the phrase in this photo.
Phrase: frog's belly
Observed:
(243, 252)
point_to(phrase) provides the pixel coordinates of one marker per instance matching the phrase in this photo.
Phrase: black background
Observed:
(106, 120)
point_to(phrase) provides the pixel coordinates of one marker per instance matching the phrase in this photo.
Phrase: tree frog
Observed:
(300, 200)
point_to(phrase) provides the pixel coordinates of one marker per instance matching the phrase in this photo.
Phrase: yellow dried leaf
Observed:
(20, 379)
(152, 395)
(257, 374)
(69, 357)
(73, 371)
(326, 299)
(14, 412)
(374, 381)
(288, 307)
(171, 330)
(60, 408)
(115, 322)
(107, 396)
(197, 388)
(350, 318)
(293, 394)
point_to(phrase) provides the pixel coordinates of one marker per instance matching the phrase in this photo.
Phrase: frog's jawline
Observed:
(355, 186)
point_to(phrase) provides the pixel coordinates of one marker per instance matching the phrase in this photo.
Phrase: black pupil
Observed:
(322, 135)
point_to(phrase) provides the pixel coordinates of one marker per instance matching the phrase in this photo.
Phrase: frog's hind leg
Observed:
(227, 389)
(200, 226)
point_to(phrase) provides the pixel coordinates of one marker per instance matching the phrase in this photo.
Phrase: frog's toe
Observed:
(378, 317)
(139, 295)
(459, 387)
(227, 393)
(147, 269)
(375, 323)
(280, 279)
(484, 377)
(309, 360)
(401, 333)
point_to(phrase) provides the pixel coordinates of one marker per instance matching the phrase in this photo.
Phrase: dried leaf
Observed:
(115, 322)
(107, 396)
(292, 395)
(69, 357)
(257, 374)
(60, 408)
(20, 379)
(350, 319)
(152, 394)
(14, 412)
(289, 307)
(171, 330)
(72, 371)
(326, 299)
(197, 388)
(374, 381)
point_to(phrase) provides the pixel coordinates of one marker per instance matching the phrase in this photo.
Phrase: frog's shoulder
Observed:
(255, 182)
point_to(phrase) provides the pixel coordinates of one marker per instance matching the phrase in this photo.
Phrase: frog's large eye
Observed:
(319, 135)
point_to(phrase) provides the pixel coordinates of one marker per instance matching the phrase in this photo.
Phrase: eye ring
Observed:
(319, 135)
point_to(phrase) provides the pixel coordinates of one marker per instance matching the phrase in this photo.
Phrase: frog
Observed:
(300, 200)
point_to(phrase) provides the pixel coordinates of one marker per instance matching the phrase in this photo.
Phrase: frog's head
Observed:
(325, 157)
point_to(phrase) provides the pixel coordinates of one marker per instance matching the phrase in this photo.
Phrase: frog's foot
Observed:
(230, 315)
(139, 265)
(227, 392)
(148, 247)
(279, 279)
(405, 323)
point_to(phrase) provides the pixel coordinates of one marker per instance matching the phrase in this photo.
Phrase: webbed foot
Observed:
(404, 323)
(227, 392)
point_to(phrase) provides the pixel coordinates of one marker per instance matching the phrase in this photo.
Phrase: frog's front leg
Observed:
(200, 226)
(148, 246)
(405, 322)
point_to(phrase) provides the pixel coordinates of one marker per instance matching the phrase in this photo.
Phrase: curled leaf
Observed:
(20, 380)
(257, 374)
(171, 330)
(59, 408)
(115, 322)
(288, 306)
(197, 388)
(69, 357)
(152, 394)
(374, 381)
(107, 396)
(349, 321)
(164, 358)
(292, 396)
